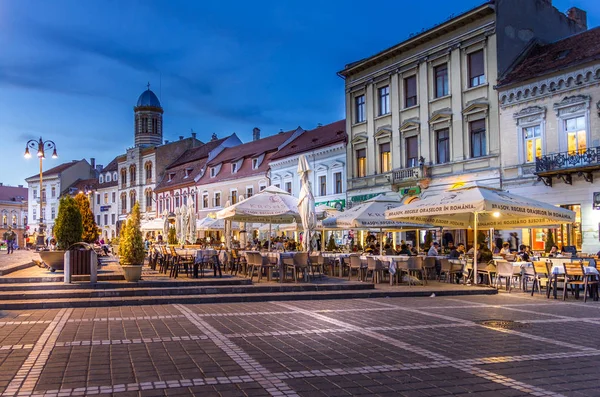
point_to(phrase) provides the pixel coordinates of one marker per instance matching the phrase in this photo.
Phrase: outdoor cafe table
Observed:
(337, 255)
(558, 269)
(274, 257)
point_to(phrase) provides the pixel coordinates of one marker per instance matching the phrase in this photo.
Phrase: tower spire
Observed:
(148, 86)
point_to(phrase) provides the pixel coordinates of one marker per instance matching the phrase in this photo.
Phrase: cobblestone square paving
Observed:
(374, 347)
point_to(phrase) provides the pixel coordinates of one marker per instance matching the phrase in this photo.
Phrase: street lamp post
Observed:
(41, 146)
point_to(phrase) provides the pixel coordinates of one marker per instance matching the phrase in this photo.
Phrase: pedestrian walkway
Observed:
(502, 345)
(20, 259)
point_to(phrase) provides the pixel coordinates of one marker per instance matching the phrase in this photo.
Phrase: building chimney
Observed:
(181, 137)
(578, 16)
(93, 163)
(319, 125)
(214, 137)
(166, 141)
(19, 185)
(255, 134)
(2, 184)
(99, 167)
(194, 135)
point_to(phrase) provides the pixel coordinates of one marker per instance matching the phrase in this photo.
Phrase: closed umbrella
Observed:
(480, 207)
(165, 224)
(306, 202)
(191, 224)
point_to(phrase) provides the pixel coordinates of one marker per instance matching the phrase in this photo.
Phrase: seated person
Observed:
(457, 252)
(554, 252)
(484, 255)
(523, 253)
(413, 250)
(433, 250)
(404, 250)
(388, 250)
(505, 249)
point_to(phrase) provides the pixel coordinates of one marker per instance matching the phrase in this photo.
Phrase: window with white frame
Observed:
(217, 198)
(262, 187)
(101, 179)
(576, 134)
(213, 172)
(34, 193)
(234, 168)
(384, 100)
(440, 78)
(323, 185)
(204, 200)
(532, 137)
(338, 182)
(254, 164)
(105, 219)
(476, 68)
(288, 187)
(234, 196)
(53, 192)
(34, 214)
(249, 191)
(105, 198)
(52, 213)
(359, 109)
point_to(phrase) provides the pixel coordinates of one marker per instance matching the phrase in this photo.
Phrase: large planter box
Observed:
(132, 273)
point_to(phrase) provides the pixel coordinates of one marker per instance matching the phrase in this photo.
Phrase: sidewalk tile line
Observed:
(506, 331)
(31, 322)
(25, 380)
(134, 341)
(260, 374)
(508, 382)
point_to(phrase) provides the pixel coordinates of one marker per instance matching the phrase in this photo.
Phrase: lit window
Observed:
(233, 196)
(205, 200)
(361, 163)
(385, 158)
(576, 134)
(217, 199)
(533, 143)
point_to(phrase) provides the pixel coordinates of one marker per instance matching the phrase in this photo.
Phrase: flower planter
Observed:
(55, 260)
(133, 273)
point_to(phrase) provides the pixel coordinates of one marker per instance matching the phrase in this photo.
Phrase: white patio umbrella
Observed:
(191, 229)
(272, 205)
(306, 202)
(481, 207)
(370, 215)
(185, 222)
(154, 224)
(166, 224)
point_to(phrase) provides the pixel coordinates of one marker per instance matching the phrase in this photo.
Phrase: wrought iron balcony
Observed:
(564, 164)
(410, 174)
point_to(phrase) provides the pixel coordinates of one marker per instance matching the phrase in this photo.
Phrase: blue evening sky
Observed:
(71, 70)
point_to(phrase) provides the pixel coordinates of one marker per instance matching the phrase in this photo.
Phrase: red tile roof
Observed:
(13, 193)
(56, 170)
(245, 152)
(196, 153)
(81, 185)
(319, 137)
(541, 59)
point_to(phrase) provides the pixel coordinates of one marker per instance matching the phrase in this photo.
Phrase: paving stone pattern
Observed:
(372, 347)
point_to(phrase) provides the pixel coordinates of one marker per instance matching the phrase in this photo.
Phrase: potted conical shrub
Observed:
(131, 246)
(68, 229)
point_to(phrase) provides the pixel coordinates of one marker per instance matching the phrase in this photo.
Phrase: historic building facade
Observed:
(13, 210)
(423, 114)
(105, 200)
(550, 134)
(325, 150)
(143, 166)
(56, 182)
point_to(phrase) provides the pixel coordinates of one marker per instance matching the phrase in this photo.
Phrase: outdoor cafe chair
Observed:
(487, 270)
(414, 265)
(355, 264)
(376, 268)
(541, 276)
(575, 276)
(430, 269)
(298, 263)
(317, 262)
(504, 270)
(528, 274)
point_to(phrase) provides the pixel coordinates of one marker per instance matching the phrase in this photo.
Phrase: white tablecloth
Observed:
(559, 269)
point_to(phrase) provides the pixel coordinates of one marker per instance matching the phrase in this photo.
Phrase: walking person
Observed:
(10, 236)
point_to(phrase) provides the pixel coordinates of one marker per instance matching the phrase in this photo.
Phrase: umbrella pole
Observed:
(269, 236)
(475, 250)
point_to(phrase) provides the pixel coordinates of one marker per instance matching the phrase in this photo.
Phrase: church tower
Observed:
(148, 120)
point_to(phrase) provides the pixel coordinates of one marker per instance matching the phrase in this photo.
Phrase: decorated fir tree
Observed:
(131, 243)
(90, 229)
(68, 226)
(172, 236)
(331, 243)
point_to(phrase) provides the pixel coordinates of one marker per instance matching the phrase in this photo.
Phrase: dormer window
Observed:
(107, 178)
(233, 168)
(101, 179)
(171, 175)
(213, 172)
(187, 172)
(114, 176)
(254, 164)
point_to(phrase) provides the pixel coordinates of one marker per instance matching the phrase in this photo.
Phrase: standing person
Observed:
(10, 236)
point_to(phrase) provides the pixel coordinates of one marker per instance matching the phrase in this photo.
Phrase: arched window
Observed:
(115, 176)
(132, 173)
(101, 179)
(107, 177)
(4, 218)
(185, 198)
(123, 203)
(25, 221)
(123, 177)
(14, 219)
(177, 200)
(168, 206)
(132, 198)
(160, 206)
(148, 199)
(148, 168)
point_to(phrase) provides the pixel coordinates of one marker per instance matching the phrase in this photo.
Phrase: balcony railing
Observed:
(563, 161)
(410, 174)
